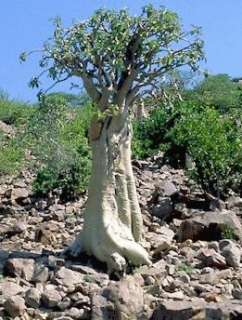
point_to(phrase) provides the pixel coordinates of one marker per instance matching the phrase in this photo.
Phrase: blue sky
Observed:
(25, 24)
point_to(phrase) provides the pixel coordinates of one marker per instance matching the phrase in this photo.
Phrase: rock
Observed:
(177, 295)
(15, 306)
(46, 233)
(64, 303)
(19, 227)
(183, 277)
(197, 309)
(214, 277)
(102, 308)
(161, 240)
(231, 252)
(41, 274)
(234, 202)
(50, 298)
(32, 298)
(181, 209)
(20, 267)
(4, 255)
(237, 293)
(19, 184)
(209, 226)
(163, 209)
(166, 232)
(68, 277)
(9, 289)
(214, 245)
(169, 189)
(162, 245)
(210, 258)
(54, 262)
(6, 128)
(76, 313)
(19, 194)
(80, 299)
(122, 300)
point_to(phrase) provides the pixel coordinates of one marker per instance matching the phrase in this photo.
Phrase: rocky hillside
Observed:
(195, 248)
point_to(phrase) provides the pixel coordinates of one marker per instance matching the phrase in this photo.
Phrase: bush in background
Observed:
(13, 112)
(11, 157)
(214, 143)
(57, 137)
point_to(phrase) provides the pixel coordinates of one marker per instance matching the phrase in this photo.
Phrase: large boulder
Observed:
(20, 267)
(211, 258)
(210, 226)
(68, 277)
(122, 300)
(15, 306)
(231, 251)
(51, 297)
(9, 289)
(163, 209)
(197, 309)
(32, 298)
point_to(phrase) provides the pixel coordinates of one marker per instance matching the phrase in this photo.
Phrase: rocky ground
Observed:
(195, 248)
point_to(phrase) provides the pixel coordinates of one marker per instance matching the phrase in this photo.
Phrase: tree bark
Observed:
(112, 219)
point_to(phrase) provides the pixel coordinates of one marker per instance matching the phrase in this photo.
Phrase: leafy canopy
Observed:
(120, 57)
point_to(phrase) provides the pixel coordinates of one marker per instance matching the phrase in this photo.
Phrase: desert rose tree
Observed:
(120, 59)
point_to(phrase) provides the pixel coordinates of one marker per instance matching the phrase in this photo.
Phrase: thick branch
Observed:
(90, 87)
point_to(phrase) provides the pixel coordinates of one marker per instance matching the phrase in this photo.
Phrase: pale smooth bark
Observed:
(112, 221)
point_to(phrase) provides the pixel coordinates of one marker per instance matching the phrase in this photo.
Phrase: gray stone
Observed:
(20, 267)
(18, 194)
(214, 277)
(32, 298)
(64, 304)
(76, 313)
(9, 289)
(209, 226)
(197, 309)
(102, 308)
(15, 306)
(7, 129)
(19, 227)
(69, 277)
(237, 293)
(210, 258)
(41, 274)
(122, 300)
(169, 189)
(50, 298)
(234, 202)
(231, 252)
(163, 209)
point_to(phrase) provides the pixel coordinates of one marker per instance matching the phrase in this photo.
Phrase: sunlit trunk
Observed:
(112, 221)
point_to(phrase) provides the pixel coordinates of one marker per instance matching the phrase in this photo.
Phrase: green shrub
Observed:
(150, 133)
(11, 157)
(69, 178)
(212, 139)
(57, 137)
(11, 148)
(228, 232)
(214, 143)
(13, 112)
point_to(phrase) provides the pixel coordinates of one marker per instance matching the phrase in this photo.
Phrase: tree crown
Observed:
(120, 57)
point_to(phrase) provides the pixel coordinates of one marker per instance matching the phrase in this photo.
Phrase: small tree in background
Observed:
(120, 59)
